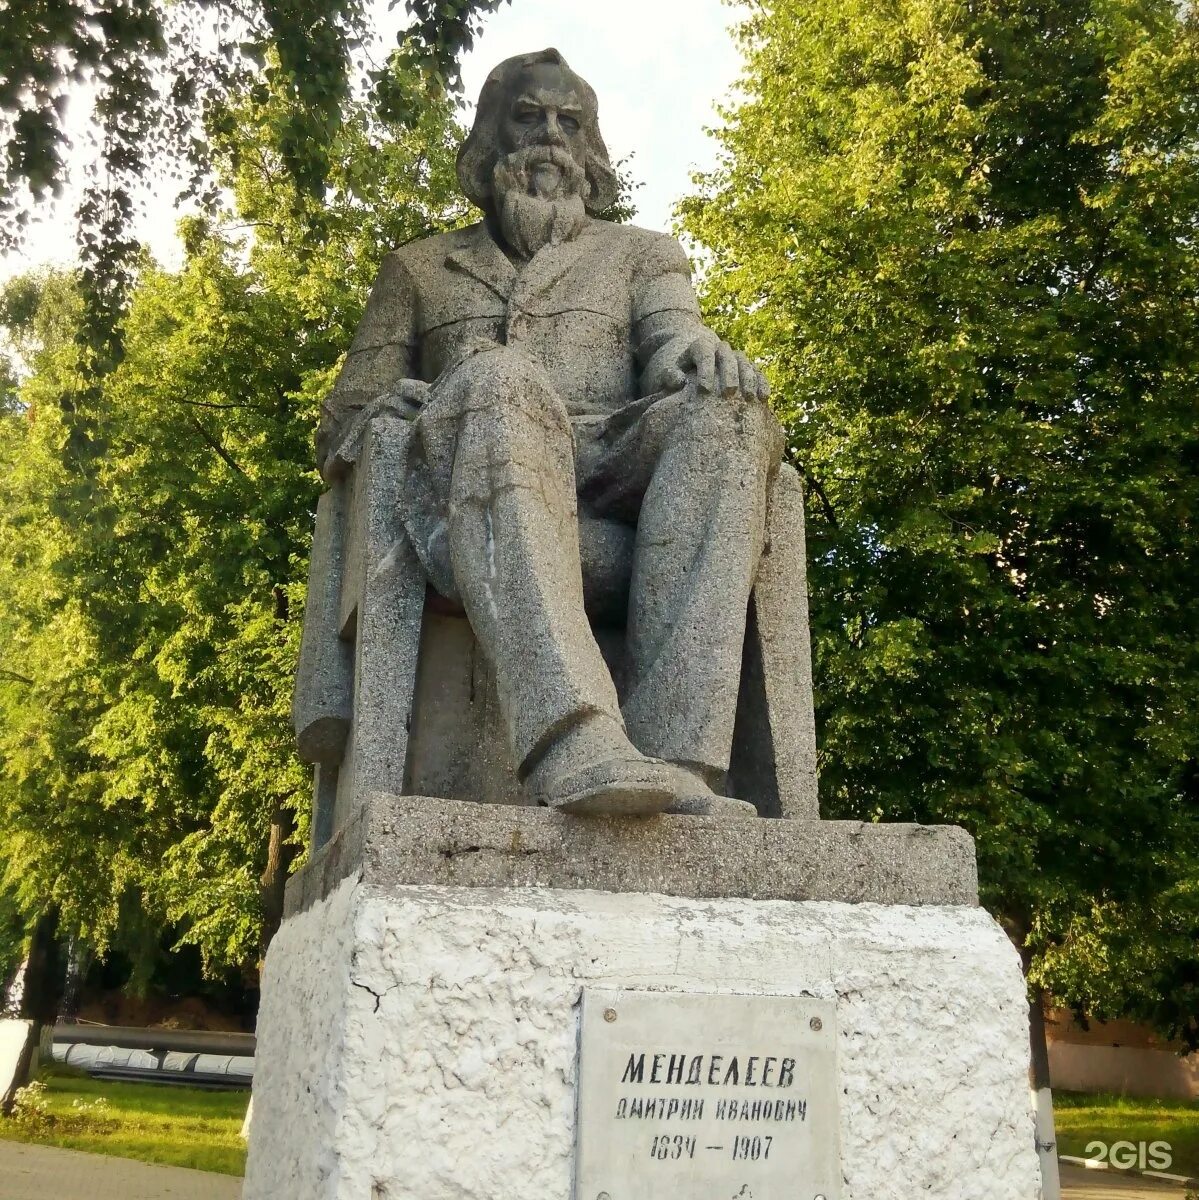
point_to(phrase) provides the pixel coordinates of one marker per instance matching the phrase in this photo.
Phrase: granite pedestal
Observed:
(420, 1015)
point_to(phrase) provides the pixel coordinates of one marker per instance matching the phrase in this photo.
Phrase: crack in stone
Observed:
(563, 312)
(366, 988)
(454, 851)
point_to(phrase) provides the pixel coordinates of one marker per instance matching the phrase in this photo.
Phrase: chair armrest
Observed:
(322, 704)
(356, 527)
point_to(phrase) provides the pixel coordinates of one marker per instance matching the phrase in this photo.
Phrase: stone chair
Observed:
(392, 694)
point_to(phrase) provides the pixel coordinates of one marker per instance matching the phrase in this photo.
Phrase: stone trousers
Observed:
(498, 482)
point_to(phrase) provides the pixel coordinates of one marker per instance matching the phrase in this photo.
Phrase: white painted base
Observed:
(14, 1034)
(420, 1043)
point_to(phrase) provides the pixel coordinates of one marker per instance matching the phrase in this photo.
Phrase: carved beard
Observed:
(530, 220)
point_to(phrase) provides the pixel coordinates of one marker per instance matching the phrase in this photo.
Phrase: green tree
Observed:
(154, 531)
(154, 536)
(162, 79)
(961, 235)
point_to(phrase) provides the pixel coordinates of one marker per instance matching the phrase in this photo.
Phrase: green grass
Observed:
(1082, 1118)
(188, 1127)
(179, 1126)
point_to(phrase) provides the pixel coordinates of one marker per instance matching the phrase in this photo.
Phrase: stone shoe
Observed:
(625, 786)
(713, 805)
(593, 769)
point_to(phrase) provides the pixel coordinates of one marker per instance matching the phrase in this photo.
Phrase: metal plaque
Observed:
(701, 1097)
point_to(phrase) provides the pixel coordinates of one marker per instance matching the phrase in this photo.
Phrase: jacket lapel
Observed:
(479, 257)
(549, 266)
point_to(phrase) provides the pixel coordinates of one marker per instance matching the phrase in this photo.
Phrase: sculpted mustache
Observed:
(533, 155)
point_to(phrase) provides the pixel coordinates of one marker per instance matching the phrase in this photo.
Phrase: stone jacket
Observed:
(605, 314)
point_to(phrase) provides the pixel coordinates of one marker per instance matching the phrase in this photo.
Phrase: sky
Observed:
(659, 68)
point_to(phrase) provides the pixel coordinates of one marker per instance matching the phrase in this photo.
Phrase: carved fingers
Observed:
(750, 382)
(753, 382)
(717, 367)
(728, 370)
(673, 379)
(407, 399)
(699, 361)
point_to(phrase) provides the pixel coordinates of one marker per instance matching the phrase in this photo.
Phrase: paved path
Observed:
(47, 1173)
(1080, 1184)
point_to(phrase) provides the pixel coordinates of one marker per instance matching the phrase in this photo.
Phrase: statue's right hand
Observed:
(715, 367)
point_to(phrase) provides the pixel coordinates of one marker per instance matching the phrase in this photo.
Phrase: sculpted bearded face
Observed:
(535, 160)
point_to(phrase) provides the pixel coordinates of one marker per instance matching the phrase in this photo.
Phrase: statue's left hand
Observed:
(717, 367)
(405, 402)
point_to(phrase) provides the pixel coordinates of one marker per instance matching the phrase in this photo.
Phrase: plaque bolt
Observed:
(604, 1195)
(609, 1016)
(817, 1025)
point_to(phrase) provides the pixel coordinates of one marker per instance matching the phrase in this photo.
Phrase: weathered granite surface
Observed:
(581, 451)
(322, 706)
(420, 1043)
(426, 718)
(394, 841)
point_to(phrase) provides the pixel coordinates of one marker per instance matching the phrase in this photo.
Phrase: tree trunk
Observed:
(1038, 1075)
(45, 973)
(279, 851)
(279, 855)
(1042, 1099)
(72, 991)
(14, 985)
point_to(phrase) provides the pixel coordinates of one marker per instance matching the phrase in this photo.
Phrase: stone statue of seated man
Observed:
(571, 411)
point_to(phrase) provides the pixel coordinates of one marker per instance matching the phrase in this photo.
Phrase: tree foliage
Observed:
(163, 80)
(154, 531)
(962, 237)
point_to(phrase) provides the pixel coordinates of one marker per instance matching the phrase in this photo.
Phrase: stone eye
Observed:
(570, 124)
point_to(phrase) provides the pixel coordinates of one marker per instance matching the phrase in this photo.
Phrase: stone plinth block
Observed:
(419, 1041)
(419, 840)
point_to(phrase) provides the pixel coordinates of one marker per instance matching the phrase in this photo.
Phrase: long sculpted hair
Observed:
(478, 155)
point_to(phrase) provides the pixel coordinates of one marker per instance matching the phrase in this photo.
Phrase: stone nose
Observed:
(549, 133)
